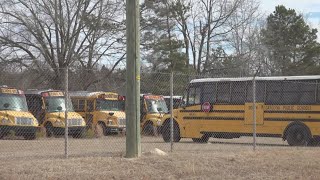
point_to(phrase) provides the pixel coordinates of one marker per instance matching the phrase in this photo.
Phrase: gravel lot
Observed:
(103, 158)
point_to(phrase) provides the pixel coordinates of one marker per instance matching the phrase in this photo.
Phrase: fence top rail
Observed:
(271, 78)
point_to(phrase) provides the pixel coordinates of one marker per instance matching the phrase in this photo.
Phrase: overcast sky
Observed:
(310, 9)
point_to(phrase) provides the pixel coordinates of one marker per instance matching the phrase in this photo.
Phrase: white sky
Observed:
(310, 8)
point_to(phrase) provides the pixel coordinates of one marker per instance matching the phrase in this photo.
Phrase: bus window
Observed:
(209, 93)
(90, 105)
(238, 95)
(223, 92)
(194, 95)
(81, 105)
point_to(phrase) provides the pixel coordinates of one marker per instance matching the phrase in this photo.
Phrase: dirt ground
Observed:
(104, 159)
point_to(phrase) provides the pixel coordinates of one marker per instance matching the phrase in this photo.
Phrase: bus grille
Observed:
(74, 122)
(24, 121)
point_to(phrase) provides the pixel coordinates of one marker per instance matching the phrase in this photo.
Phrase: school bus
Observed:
(14, 114)
(153, 109)
(105, 109)
(286, 106)
(49, 107)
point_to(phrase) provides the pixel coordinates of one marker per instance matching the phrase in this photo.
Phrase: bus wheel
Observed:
(49, 130)
(149, 130)
(203, 139)
(298, 135)
(166, 132)
(103, 127)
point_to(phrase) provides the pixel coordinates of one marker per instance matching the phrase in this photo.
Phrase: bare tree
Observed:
(52, 34)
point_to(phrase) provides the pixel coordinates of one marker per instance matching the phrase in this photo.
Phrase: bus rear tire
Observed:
(298, 135)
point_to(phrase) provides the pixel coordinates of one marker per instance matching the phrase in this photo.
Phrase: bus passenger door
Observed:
(249, 119)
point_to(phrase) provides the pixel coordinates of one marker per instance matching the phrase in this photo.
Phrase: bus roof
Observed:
(271, 78)
(38, 92)
(89, 94)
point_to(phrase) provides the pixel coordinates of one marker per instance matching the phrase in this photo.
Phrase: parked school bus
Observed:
(105, 109)
(153, 109)
(14, 114)
(49, 106)
(286, 106)
(177, 100)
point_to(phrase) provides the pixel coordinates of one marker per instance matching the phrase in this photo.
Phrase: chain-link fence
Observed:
(208, 113)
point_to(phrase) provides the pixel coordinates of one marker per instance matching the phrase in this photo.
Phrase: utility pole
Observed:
(133, 146)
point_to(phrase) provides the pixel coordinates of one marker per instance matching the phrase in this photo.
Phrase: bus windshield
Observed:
(156, 106)
(13, 102)
(57, 104)
(110, 105)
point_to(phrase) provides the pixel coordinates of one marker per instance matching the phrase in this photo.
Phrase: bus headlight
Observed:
(83, 122)
(5, 121)
(158, 122)
(36, 122)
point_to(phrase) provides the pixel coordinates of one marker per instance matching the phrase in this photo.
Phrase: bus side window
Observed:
(89, 105)
(75, 104)
(81, 104)
(209, 93)
(194, 95)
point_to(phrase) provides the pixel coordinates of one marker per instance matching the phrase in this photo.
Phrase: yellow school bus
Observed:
(14, 114)
(105, 109)
(49, 107)
(286, 106)
(153, 109)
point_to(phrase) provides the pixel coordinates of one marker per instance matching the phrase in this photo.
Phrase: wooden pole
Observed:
(133, 146)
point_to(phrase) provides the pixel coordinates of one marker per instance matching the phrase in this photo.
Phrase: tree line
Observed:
(40, 39)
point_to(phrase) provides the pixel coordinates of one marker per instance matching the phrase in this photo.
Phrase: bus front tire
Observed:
(203, 139)
(166, 132)
(49, 130)
(149, 130)
(298, 135)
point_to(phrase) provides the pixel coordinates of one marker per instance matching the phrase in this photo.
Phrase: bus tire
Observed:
(49, 130)
(103, 127)
(166, 131)
(298, 135)
(149, 129)
(203, 139)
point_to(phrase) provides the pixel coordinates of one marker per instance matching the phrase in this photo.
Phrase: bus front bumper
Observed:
(19, 130)
(71, 130)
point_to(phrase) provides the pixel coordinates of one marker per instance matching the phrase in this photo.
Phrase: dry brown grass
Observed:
(220, 159)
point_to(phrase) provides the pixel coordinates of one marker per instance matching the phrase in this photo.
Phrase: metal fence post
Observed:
(254, 113)
(171, 112)
(66, 113)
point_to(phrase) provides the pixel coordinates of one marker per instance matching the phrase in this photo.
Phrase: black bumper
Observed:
(19, 130)
(71, 130)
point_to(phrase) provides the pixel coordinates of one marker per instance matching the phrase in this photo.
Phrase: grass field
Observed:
(104, 159)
